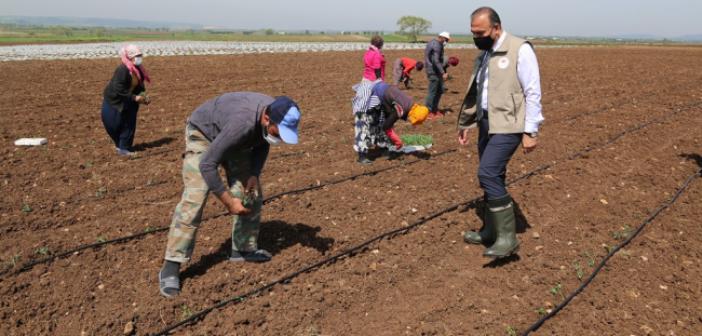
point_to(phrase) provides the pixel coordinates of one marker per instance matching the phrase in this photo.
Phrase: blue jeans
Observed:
(121, 127)
(436, 89)
(495, 151)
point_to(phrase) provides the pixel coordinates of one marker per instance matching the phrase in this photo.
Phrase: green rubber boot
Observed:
(501, 213)
(486, 235)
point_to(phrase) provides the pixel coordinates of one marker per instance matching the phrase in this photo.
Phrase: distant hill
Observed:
(649, 37)
(691, 38)
(92, 22)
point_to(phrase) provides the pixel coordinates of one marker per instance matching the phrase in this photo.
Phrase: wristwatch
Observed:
(532, 134)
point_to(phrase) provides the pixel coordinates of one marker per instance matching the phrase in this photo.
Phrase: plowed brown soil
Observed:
(75, 190)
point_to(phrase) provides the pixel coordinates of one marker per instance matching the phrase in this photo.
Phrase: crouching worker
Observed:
(234, 130)
(402, 68)
(374, 126)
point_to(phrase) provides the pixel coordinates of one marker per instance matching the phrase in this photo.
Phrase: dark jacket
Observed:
(394, 104)
(117, 90)
(434, 58)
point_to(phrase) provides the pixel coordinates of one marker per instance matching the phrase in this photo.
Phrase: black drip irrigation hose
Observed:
(395, 232)
(27, 266)
(611, 253)
(330, 260)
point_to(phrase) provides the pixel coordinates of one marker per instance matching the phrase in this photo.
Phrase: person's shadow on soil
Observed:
(274, 236)
(152, 144)
(422, 155)
(693, 157)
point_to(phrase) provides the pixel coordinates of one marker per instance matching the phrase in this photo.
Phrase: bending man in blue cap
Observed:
(234, 130)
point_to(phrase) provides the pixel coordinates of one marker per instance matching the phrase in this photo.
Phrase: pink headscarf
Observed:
(127, 52)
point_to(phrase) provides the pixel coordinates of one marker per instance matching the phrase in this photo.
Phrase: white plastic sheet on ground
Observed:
(30, 141)
(179, 48)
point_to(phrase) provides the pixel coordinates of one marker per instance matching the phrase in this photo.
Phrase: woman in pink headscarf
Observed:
(122, 97)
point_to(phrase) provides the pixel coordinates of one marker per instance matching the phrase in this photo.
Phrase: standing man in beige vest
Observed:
(504, 101)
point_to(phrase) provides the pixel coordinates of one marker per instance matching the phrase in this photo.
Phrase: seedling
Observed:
(511, 331)
(100, 192)
(101, 239)
(249, 199)
(26, 208)
(590, 259)
(148, 229)
(541, 311)
(42, 250)
(147, 100)
(622, 234)
(14, 260)
(185, 312)
(578, 270)
(312, 331)
(555, 290)
(416, 139)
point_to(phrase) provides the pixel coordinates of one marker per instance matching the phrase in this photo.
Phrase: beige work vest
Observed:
(506, 101)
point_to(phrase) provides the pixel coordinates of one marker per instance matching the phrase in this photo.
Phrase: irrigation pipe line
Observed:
(396, 232)
(612, 252)
(27, 266)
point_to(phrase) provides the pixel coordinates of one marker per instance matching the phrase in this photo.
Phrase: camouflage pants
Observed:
(369, 131)
(188, 212)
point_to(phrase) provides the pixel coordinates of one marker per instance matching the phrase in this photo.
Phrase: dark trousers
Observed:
(436, 89)
(495, 151)
(120, 126)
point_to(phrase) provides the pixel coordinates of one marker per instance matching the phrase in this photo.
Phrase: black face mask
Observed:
(484, 43)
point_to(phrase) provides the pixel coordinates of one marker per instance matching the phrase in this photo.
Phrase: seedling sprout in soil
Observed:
(26, 208)
(416, 139)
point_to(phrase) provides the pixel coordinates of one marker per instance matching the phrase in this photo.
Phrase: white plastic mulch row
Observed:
(177, 48)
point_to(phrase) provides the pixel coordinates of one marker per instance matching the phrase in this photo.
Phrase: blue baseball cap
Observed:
(285, 113)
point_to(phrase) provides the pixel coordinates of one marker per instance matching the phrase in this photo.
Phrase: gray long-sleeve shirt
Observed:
(232, 123)
(434, 58)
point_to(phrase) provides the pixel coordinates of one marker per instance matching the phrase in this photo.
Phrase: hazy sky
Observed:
(665, 18)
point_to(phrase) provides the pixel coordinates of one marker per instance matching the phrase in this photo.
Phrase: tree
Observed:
(412, 26)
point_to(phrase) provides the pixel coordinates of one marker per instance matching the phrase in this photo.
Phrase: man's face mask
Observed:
(484, 42)
(138, 60)
(272, 140)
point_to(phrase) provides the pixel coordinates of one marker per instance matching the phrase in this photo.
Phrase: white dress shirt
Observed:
(529, 78)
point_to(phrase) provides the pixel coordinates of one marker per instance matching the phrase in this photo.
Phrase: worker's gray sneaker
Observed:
(124, 152)
(254, 256)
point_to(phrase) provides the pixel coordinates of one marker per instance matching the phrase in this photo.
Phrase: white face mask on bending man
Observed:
(283, 115)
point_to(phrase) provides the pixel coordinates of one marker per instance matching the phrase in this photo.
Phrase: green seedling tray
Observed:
(416, 139)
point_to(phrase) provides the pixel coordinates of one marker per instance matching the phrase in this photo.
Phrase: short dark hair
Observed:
(377, 41)
(492, 15)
